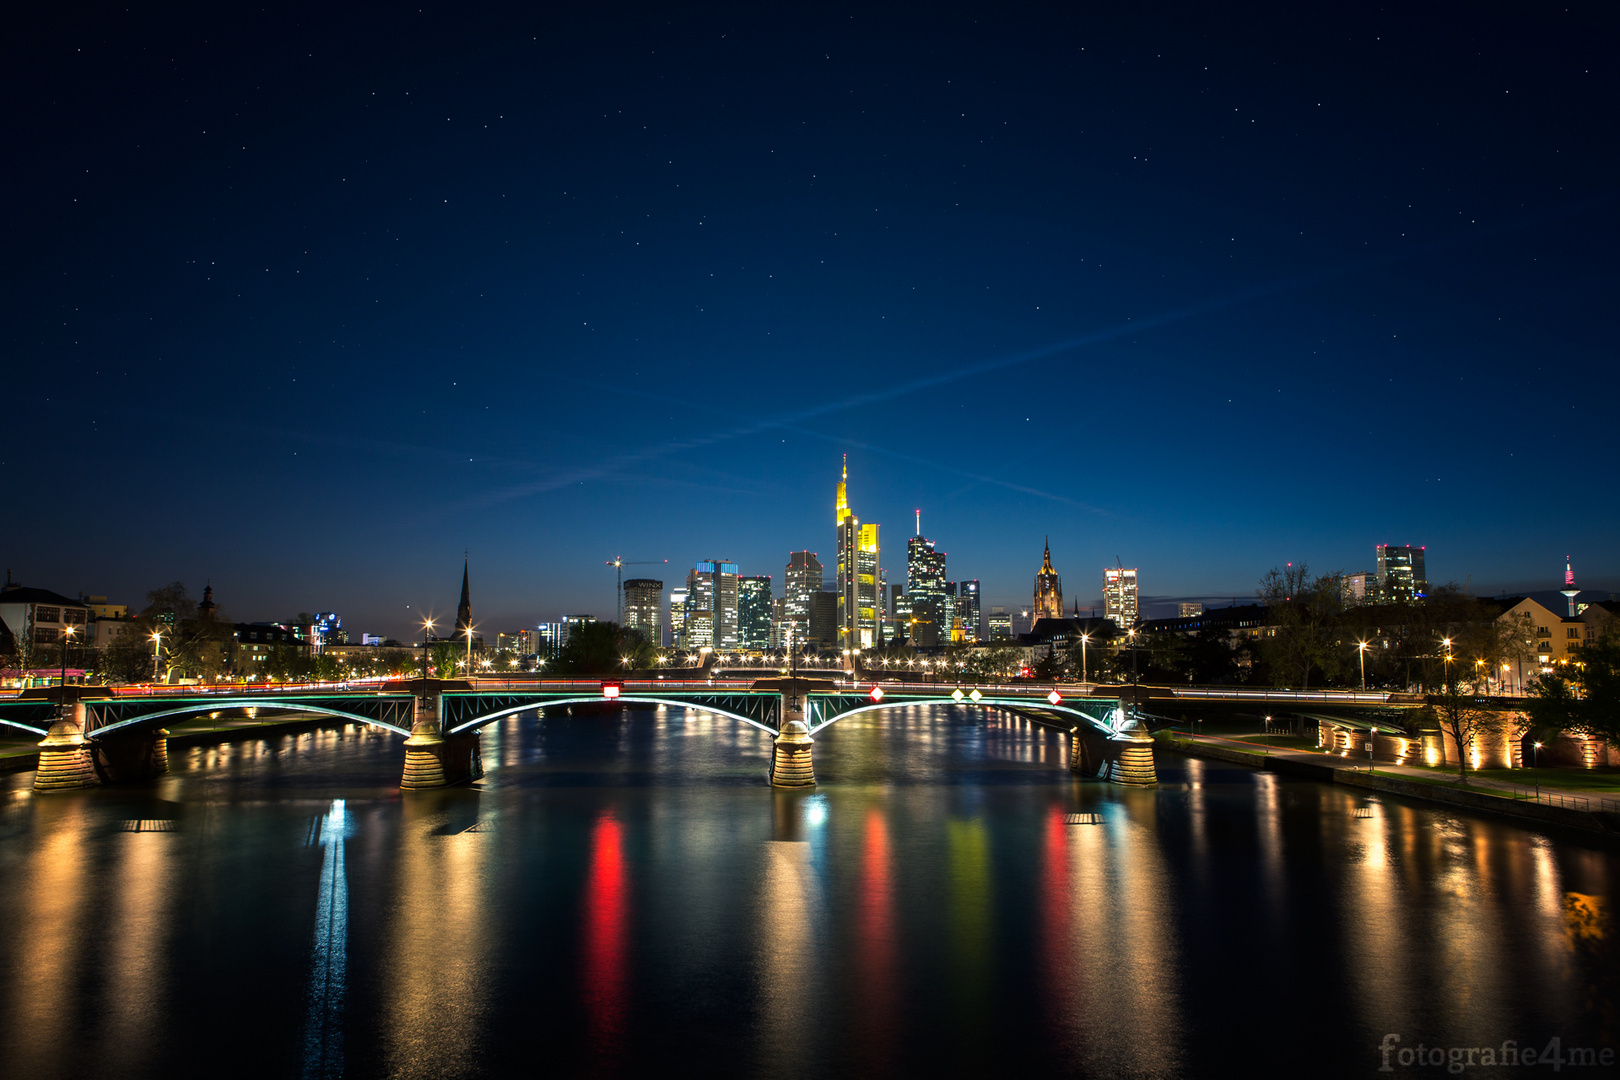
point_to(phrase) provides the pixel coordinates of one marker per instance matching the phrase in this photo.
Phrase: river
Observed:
(622, 895)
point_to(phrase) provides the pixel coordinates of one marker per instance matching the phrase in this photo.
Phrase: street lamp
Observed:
(1535, 757)
(157, 639)
(427, 632)
(1361, 648)
(67, 639)
(469, 650)
(1085, 669)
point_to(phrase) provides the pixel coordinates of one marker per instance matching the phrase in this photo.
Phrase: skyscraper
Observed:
(1401, 577)
(679, 601)
(711, 605)
(801, 582)
(1119, 596)
(1000, 624)
(859, 577)
(925, 588)
(967, 609)
(754, 612)
(644, 608)
(1048, 591)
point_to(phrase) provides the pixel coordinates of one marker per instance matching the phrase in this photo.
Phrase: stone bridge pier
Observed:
(1125, 757)
(434, 759)
(66, 760)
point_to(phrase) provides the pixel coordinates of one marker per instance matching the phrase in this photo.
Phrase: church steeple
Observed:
(1048, 600)
(464, 609)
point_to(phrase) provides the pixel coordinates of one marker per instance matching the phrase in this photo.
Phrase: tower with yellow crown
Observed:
(1048, 590)
(859, 579)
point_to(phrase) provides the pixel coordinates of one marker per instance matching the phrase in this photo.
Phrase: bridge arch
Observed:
(200, 707)
(1010, 704)
(535, 706)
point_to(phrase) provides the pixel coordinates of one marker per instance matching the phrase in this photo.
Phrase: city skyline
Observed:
(638, 281)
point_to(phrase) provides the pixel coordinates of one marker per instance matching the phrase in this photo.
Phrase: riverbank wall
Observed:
(1476, 799)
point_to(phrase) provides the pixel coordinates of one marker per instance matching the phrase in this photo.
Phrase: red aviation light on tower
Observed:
(876, 693)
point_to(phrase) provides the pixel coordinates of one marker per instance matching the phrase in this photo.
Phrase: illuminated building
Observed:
(1119, 596)
(1048, 590)
(679, 599)
(754, 612)
(711, 605)
(801, 583)
(1360, 588)
(644, 608)
(859, 576)
(529, 643)
(925, 588)
(40, 617)
(1401, 577)
(1188, 609)
(967, 610)
(999, 625)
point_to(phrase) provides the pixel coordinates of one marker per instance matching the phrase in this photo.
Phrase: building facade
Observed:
(1048, 590)
(754, 612)
(1119, 596)
(711, 605)
(925, 589)
(1401, 575)
(644, 608)
(859, 577)
(967, 610)
(801, 583)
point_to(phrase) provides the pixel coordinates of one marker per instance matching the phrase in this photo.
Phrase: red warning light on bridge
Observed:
(876, 694)
(611, 690)
(1054, 697)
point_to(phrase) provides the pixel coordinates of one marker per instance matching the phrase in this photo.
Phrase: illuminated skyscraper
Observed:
(1119, 596)
(1401, 577)
(644, 608)
(859, 576)
(711, 605)
(679, 598)
(754, 612)
(967, 610)
(801, 583)
(1048, 591)
(925, 588)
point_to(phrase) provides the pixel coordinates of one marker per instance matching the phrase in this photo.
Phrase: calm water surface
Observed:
(622, 895)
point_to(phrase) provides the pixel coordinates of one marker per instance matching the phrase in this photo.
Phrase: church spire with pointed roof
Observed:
(464, 609)
(1048, 590)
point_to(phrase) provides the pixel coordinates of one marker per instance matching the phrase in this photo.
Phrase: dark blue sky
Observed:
(306, 303)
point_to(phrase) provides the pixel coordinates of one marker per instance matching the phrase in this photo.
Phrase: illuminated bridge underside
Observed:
(823, 711)
(392, 712)
(756, 710)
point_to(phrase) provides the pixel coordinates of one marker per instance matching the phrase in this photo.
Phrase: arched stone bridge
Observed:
(97, 736)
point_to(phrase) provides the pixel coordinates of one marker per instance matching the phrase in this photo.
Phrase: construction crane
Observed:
(618, 562)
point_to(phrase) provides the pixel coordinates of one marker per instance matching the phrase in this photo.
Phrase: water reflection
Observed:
(605, 942)
(328, 977)
(1121, 970)
(50, 937)
(137, 911)
(624, 896)
(789, 960)
(876, 948)
(436, 976)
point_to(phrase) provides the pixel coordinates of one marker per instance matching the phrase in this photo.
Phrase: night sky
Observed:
(306, 303)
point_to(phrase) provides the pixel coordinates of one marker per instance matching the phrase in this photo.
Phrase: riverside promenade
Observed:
(1566, 805)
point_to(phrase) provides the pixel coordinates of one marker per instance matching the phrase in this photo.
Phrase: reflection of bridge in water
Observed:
(94, 735)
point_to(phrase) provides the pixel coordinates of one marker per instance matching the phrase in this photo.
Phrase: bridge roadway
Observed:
(100, 734)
